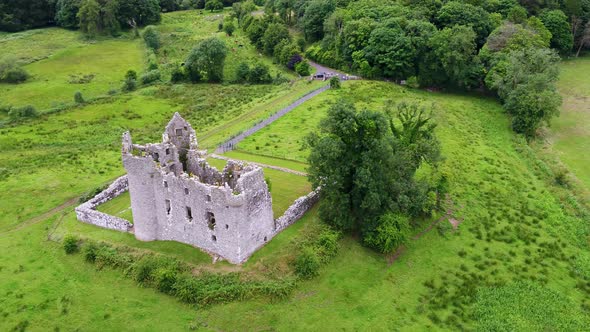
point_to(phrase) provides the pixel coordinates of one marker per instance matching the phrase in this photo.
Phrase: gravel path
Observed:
(232, 143)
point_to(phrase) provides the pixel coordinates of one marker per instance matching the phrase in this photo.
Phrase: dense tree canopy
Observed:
(375, 187)
(207, 59)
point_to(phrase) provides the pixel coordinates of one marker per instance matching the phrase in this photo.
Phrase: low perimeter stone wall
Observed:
(297, 210)
(87, 211)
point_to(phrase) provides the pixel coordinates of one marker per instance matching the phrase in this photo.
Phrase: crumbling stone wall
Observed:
(87, 211)
(297, 210)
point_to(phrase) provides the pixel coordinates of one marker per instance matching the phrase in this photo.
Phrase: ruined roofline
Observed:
(244, 169)
(176, 122)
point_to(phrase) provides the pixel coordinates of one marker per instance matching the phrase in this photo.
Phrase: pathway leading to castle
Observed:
(232, 143)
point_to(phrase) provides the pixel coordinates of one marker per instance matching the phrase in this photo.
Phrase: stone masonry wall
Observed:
(297, 210)
(87, 211)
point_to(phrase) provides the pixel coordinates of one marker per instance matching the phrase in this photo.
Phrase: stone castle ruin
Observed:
(176, 195)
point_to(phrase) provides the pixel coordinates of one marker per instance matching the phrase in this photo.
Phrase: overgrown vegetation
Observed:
(173, 277)
(376, 182)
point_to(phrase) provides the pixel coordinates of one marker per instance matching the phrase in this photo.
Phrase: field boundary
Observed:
(232, 143)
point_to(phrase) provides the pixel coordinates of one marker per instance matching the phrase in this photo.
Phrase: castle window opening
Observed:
(189, 213)
(156, 156)
(178, 132)
(167, 151)
(168, 206)
(226, 226)
(265, 239)
(208, 198)
(214, 238)
(211, 220)
(172, 168)
(186, 191)
(165, 184)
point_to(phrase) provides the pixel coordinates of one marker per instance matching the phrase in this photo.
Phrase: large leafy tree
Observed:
(274, 34)
(392, 52)
(89, 17)
(557, 23)
(454, 50)
(66, 13)
(16, 15)
(459, 13)
(525, 81)
(143, 12)
(316, 13)
(207, 59)
(365, 163)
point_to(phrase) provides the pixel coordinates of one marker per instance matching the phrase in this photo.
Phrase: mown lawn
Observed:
(571, 131)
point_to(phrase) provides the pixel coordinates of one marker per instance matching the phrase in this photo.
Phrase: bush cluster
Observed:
(258, 74)
(150, 77)
(24, 112)
(173, 277)
(11, 71)
(320, 251)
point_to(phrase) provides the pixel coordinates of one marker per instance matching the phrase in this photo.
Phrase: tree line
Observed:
(466, 45)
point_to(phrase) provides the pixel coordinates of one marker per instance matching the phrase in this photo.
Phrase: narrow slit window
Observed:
(189, 213)
(167, 151)
(186, 191)
(214, 238)
(211, 220)
(168, 206)
(179, 132)
(165, 184)
(156, 157)
(208, 198)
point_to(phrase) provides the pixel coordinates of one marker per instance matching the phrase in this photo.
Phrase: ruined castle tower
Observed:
(176, 195)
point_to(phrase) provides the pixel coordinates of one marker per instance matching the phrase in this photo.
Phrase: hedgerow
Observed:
(174, 277)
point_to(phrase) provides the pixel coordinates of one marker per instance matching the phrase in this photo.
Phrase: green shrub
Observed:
(327, 244)
(260, 74)
(393, 231)
(444, 228)
(70, 244)
(11, 71)
(242, 72)
(307, 264)
(150, 76)
(268, 183)
(151, 36)
(24, 112)
(131, 75)
(335, 83)
(89, 250)
(129, 85)
(303, 68)
(78, 98)
(178, 75)
(229, 28)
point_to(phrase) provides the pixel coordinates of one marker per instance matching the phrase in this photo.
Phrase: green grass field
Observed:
(520, 258)
(119, 206)
(51, 82)
(571, 131)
